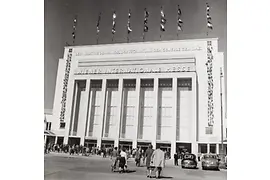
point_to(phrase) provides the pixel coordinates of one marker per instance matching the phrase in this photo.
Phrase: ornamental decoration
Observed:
(209, 65)
(65, 86)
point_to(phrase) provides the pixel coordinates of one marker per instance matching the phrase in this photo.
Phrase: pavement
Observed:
(60, 166)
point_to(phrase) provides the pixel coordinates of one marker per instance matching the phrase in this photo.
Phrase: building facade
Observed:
(167, 92)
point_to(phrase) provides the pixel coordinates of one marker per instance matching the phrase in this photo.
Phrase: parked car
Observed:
(222, 161)
(189, 161)
(210, 161)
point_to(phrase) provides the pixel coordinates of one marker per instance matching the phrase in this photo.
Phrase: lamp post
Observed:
(221, 106)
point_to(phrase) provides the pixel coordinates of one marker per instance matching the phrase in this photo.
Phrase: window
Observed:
(209, 130)
(62, 125)
(48, 125)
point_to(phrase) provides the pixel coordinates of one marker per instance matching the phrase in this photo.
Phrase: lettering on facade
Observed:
(65, 86)
(127, 70)
(209, 65)
(133, 51)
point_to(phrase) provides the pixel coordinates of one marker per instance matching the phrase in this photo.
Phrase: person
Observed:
(175, 159)
(114, 156)
(122, 161)
(158, 159)
(148, 155)
(138, 157)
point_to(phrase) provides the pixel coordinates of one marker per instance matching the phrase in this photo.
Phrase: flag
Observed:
(179, 21)
(74, 29)
(208, 17)
(99, 17)
(146, 15)
(163, 20)
(128, 24)
(113, 24)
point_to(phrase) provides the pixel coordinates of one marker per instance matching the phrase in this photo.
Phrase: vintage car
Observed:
(210, 161)
(189, 161)
(222, 161)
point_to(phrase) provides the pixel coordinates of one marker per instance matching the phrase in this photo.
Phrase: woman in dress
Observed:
(148, 155)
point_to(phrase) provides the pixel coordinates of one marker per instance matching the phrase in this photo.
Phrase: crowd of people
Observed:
(153, 159)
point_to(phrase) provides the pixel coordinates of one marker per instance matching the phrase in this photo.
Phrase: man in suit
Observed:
(158, 159)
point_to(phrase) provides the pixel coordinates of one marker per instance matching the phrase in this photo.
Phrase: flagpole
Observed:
(221, 123)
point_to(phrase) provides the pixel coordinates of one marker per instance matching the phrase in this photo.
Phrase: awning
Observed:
(50, 133)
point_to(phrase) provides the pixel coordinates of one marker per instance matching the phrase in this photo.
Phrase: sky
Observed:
(58, 22)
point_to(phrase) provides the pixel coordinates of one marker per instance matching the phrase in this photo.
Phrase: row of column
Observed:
(119, 113)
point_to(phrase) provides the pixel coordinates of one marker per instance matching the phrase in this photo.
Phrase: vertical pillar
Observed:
(217, 149)
(68, 115)
(120, 90)
(155, 114)
(45, 139)
(194, 144)
(85, 114)
(174, 116)
(208, 148)
(103, 104)
(89, 109)
(74, 109)
(137, 112)
(55, 140)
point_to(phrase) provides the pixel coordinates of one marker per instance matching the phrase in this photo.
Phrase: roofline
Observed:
(134, 43)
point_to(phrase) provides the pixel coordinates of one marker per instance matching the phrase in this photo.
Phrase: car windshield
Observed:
(210, 156)
(189, 156)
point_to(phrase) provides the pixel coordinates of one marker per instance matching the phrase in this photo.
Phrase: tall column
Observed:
(174, 116)
(103, 104)
(217, 148)
(86, 110)
(45, 139)
(137, 112)
(89, 109)
(69, 105)
(55, 140)
(74, 109)
(208, 148)
(155, 113)
(120, 90)
(194, 114)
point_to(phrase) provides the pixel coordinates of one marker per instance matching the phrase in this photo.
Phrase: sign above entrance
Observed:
(166, 68)
(139, 51)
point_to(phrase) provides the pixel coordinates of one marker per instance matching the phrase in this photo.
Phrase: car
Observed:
(210, 161)
(222, 161)
(189, 161)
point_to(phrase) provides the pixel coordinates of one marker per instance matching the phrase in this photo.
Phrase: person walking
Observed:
(123, 161)
(158, 159)
(175, 159)
(148, 155)
(138, 157)
(114, 156)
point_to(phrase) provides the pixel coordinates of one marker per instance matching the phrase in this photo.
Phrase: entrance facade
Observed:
(140, 93)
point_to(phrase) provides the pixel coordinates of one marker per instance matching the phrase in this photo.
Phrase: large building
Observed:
(167, 92)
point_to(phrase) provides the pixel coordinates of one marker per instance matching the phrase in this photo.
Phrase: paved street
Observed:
(66, 167)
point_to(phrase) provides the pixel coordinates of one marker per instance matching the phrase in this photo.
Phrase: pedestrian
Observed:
(148, 155)
(123, 161)
(158, 159)
(114, 156)
(138, 158)
(175, 159)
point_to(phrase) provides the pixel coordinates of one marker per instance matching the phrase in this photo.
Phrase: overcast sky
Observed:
(59, 20)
